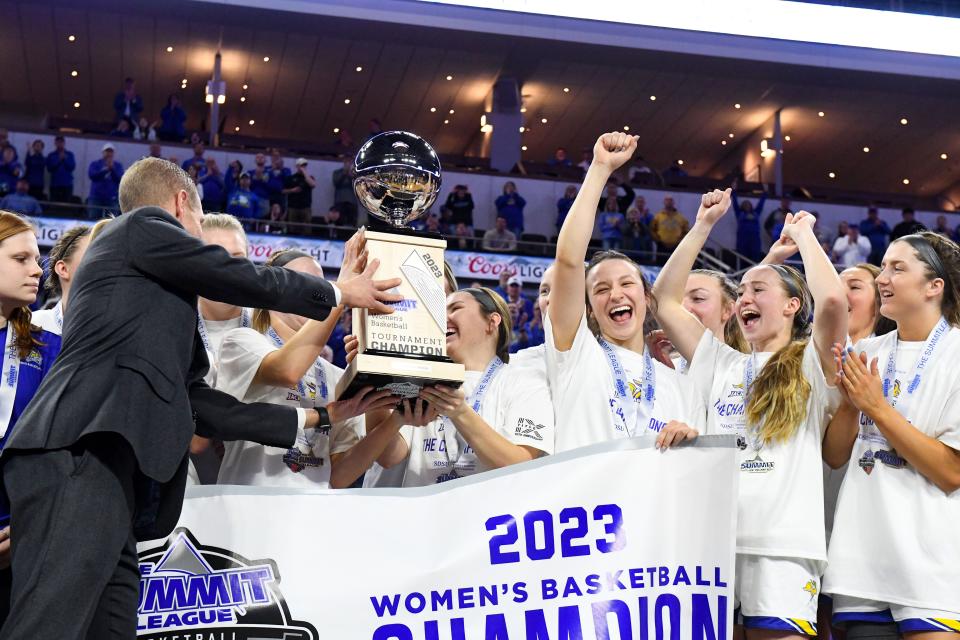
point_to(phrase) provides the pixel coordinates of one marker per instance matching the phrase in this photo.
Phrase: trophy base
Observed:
(403, 375)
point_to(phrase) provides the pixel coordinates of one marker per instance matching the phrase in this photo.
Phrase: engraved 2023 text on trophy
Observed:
(398, 178)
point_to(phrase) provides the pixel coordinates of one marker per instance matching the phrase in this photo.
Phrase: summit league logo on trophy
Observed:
(398, 178)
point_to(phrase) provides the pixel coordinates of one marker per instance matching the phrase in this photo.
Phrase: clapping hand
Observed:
(859, 379)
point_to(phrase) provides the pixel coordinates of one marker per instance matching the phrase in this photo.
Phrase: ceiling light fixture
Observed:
(244, 87)
(522, 129)
(653, 98)
(729, 135)
(723, 142)
(680, 162)
(943, 156)
(832, 175)
(236, 128)
(71, 38)
(359, 69)
(821, 113)
(766, 151)
(906, 181)
(346, 101)
(336, 129)
(169, 49)
(523, 109)
(76, 105)
(866, 149)
(74, 73)
(452, 112)
(252, 122)
(787, 138)
(446, 122)
(736, 106)
(266, 58)
(433, 109)
(626, 127)
(543, 120)
(243, 98)
(449, 77)
(566, 89)
(904, 121)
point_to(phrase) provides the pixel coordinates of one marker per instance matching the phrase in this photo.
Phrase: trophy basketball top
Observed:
(398, 177)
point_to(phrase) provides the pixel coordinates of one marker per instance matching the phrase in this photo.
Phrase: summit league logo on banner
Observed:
(616, 540)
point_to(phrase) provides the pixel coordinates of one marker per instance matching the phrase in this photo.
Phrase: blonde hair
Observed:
(881, 325)
(449, 279)
(11, 225)
(152, 182)
(261, 317)
(97, 229)
(732, 335)
(64, 249)
(225, 222)
(777, 402)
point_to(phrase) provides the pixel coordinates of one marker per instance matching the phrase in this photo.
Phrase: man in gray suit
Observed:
(99, 458)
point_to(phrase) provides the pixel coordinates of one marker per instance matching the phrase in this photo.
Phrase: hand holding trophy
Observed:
(397, 180)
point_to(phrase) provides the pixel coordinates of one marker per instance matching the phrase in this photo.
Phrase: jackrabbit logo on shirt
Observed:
(191, 590)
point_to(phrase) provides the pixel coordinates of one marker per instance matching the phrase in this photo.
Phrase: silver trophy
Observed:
(397, 180)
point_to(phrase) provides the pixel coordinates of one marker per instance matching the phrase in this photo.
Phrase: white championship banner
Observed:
(468, 265)
(613, 541)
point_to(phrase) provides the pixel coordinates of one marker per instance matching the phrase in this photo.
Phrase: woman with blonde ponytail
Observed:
(28, 352)
(777, 400)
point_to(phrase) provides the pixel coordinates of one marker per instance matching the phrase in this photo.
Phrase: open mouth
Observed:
(621, 314)
(750, 318)
(451, 333)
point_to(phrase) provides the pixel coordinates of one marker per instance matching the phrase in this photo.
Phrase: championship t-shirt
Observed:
(213, 333)
(516, 405)
(584, 392)
(780, 505)
(241, 353)
(896, 535)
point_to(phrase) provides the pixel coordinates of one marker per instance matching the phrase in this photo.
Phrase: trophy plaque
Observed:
(397, 179)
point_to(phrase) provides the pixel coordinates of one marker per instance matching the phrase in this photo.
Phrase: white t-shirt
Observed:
(851, 253)
(780, 505)
(583, 389)
(49, 319)
(516, 405)
(213, 333)
(896, 536)
(249, 463)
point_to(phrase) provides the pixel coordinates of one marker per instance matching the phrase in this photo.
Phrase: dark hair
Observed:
(941, 256)
(603, 256)
(490, 302)
(64, 249)
(909, 210)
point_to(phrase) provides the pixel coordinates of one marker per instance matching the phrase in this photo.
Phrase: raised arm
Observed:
(567, 296)
(829, 298)
(682, 327)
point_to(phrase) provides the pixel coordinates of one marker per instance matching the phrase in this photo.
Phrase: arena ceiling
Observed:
(300, 71)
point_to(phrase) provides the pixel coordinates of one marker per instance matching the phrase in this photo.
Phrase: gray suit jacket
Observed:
(132, 362)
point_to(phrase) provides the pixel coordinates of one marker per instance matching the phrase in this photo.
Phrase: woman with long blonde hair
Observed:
(777, 400)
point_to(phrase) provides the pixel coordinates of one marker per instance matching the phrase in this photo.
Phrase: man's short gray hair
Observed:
(152, 182)
(224, 222)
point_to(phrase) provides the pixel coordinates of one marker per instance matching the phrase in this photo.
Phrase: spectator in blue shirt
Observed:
(748, 226)
(122, 130)
(560, 158)
(128, 105)
(214, 188)
(564, 204)
(105, 177)
(510, 207)
(611, 226)
(243, 203)
(61, 165)
(197, 160)
(172, 121)
(278, 176)
(231, 180)
(36, 165)
(260, 183)
(10, 171)
(5, 142)
(877, 232)
(21, 201)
